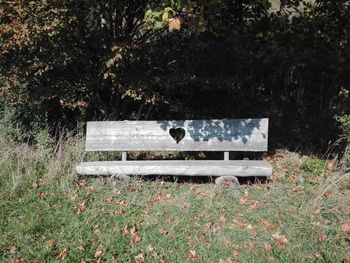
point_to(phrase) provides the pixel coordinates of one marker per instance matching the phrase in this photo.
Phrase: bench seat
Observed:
(242, 168)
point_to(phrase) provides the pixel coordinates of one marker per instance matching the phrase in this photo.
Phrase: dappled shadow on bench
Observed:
(224, 130)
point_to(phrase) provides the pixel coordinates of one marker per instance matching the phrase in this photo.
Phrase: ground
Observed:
(49, 214)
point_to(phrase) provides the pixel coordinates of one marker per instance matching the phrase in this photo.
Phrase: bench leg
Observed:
(229, 181)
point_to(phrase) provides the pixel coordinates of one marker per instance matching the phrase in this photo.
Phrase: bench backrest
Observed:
(187, 135)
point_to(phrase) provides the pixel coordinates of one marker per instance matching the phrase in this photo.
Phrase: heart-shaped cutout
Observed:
(177, 133)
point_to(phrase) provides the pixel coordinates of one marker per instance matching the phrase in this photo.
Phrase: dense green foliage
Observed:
(65, 62)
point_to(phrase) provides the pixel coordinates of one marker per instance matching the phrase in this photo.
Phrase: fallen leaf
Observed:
(135, 237)
(345, 227)
(50, 242)
(162, 231)
(322, 237)
(222, 219)
(243, 201)
(98, 253)
(81, 183)
(249, 245)
(126, 231)
(267, 248)
(208, 225)
(74, 197)
(272, 259)
(81, 208)
(97, 230)
(13, 249)
(316, 212)
(150, 248)
(238, 223)
(266, 223)
(41, 195)
(227, 260)
(63, 254)
(192, 255)
(281, 239)
(140, 258)
(117, 213)
(253, 206)
(327, 194)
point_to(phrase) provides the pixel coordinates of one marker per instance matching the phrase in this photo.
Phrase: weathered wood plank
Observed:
(200, 135)
(177, 167)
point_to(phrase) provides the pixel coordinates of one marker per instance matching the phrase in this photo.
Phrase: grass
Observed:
(49, 214)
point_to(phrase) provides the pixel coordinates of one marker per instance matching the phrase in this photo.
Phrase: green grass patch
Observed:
(49, 214)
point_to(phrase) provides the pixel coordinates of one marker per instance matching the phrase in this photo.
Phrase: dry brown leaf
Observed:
(174, 23)
(97, 230)
(222, 219)
(63, 254)
(243, 201)
(41, 195)
(162, 231)
(238, 223)
(192, 255)
(266, 223)
(117, 213)
(81, 183)
(13, 249)
(267, 248)
(208, 225)
(322, 237)
(345, 227)
(235, 253)
(271, 259)
(126, 231)
(249, 245)
(281, 239)
(99, 253)
(81, 208)
(227, 260)
(150, 248)
(140, 258)
(135, 237)
(50, 242)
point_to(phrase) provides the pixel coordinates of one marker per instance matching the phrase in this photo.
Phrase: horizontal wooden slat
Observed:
(177, 167)
(201, 135)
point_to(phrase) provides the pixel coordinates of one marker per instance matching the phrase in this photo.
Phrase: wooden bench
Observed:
(190, 135)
